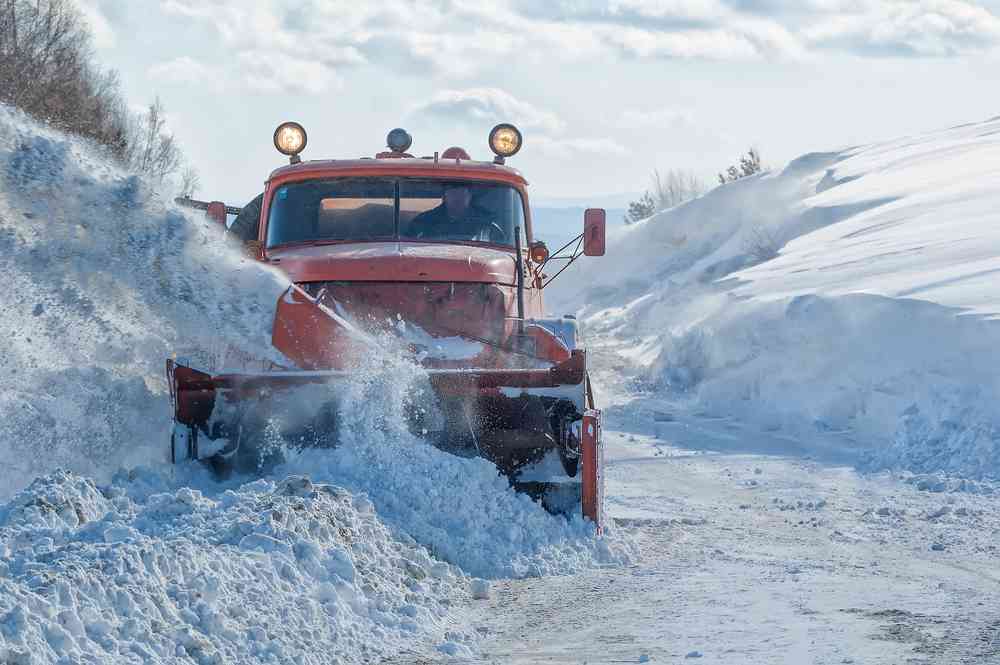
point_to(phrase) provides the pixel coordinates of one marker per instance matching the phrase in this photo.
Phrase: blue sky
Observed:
(603, 91)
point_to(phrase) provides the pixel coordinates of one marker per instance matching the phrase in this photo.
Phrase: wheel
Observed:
(570, 463)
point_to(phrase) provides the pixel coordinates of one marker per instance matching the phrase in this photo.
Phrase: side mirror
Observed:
(594, 221)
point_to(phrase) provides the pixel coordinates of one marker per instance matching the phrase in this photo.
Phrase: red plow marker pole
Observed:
(592, 492)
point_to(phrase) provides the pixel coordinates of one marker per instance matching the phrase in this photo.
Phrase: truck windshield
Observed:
(368, 209)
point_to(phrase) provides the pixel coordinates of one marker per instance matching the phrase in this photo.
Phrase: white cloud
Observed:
(673, 9)
(576, 147)
(655, 119)
(459, 40)
(934, 28)
(282, 45)
(277, 73)
(710, 44)
(481, 108)
(319, 39)
(182, 70)
(485, 106)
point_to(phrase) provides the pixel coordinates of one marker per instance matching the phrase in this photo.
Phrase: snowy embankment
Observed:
(851, 293)
(102, 282)
(351, 554)
(280, 572)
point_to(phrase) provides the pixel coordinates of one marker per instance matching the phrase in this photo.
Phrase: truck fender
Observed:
(563, 328)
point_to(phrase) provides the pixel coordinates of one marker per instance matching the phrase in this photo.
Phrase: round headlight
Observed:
(399, 140)
(505, 140)
(290, 138)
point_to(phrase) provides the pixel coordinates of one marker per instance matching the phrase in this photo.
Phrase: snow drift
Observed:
(277, 572)
(851, 293)
(102, 282)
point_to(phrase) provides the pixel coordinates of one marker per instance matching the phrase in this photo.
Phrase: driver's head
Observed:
(456, 201)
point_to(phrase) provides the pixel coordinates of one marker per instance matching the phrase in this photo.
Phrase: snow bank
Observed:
(270, 572)
(851, 292)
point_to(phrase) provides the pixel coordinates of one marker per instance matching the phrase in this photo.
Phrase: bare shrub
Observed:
(152, 150)
(47, 71)
(675, 187)
(669, 190)
(190, 182)
(761, 243)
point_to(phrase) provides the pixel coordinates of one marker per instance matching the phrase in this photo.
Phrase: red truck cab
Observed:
(436, 240)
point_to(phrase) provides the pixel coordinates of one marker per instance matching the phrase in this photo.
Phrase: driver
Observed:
(456, 219)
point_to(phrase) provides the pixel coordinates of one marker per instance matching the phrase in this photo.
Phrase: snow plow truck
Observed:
(444, 244)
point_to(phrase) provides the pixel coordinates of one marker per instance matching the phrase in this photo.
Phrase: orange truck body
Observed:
(467, 290)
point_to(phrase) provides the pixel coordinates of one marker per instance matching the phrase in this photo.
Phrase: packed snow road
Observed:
(755, 553)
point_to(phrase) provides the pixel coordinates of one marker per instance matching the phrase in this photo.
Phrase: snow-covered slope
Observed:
(916, 218)
(851, 294)
(102, 282)
(110, 554)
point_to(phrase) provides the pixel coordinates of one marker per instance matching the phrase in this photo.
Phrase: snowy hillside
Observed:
(352, 554)
(850, 295)
(102, 282)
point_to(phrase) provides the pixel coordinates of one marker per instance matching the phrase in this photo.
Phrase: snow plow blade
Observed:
(568, 372)
(501, 395)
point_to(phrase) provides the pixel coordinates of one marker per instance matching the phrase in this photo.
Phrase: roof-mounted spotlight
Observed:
(399, 140)
(505, 141)
(290, 139)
